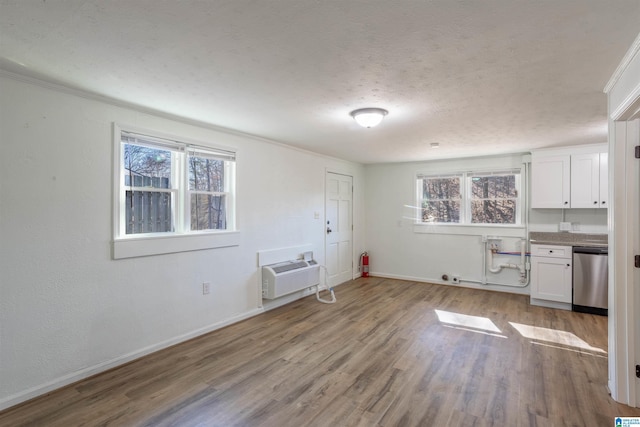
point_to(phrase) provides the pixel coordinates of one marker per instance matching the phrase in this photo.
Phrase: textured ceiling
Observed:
(478, 77)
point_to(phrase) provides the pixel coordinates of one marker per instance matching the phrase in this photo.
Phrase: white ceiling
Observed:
(478, 77)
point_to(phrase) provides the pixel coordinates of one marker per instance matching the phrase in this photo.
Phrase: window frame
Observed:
(181, 238)
(176, 214)
(518, 199)
(467, 197)
(228, 190)
(420, 193)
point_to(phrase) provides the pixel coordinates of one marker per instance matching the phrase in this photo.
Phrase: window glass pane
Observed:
(148, 212)
(441, 188)
(441, 211)
(208, 212)
(170, 186)
(146, 167)
(206, 174)
(494, 187)
(493, 211)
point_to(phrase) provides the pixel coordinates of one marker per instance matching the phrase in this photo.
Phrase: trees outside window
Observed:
(470, 198)
(441, 199)
(148, 192)
(494, 199)
(206, 188)
(168, 186)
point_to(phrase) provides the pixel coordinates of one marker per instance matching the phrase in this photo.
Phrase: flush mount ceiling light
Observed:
(368, 117)
(435, 145)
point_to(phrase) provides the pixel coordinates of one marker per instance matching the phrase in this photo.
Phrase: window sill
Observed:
(159, 245)
(470, 229)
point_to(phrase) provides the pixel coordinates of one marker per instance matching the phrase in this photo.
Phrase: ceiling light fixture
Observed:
(369, 117)
(435, 145)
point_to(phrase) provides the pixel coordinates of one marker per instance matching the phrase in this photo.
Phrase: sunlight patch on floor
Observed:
(555, 336)
(594, 353)
(467, 321)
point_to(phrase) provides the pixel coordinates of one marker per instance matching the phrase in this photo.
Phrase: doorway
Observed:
(624, 225)
(338, 228)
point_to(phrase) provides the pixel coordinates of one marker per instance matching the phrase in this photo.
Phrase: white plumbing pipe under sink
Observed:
(498, 268)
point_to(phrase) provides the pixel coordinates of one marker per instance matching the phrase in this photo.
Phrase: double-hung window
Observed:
(494, 198)
(209, 189)
(168, 187)
(149, 185)
(440, 198)
(484, 198)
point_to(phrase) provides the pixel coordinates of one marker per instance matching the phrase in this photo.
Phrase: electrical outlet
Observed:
(206, 288)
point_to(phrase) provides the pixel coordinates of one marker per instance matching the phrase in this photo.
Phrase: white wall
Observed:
(583, 220)
(400, 249)
(67, 309)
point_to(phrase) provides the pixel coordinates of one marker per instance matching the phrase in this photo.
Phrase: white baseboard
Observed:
(104, 366)
(551, 304)
(462, 284)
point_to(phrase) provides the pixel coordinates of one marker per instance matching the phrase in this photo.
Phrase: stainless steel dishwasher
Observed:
(590, 280)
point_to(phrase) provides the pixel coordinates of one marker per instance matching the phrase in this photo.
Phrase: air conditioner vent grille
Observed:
(291, 265)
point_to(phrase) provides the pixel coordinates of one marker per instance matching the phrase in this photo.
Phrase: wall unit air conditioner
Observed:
(287, 277)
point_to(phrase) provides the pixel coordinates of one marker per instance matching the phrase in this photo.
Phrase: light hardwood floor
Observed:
(388, 353)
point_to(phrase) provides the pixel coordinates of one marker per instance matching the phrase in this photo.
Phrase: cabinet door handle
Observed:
(603, 202)
(595, 203)
(568, 265)
(566, 203)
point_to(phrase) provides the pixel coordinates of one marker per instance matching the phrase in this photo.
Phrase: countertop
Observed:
(568, 239)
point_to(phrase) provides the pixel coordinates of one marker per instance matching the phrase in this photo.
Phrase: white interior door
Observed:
(624, 278)
(338, 228)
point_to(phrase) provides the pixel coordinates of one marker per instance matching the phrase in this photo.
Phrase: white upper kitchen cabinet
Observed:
(550, 187)
(589, 180)
(604, 180)
(570, 177)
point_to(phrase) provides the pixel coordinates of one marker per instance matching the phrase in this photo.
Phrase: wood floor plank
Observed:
(388, 353)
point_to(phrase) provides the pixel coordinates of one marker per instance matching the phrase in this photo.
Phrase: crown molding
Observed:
(93, 96)
(626, 60)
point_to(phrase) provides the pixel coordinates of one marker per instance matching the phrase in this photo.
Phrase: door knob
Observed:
(328, 230)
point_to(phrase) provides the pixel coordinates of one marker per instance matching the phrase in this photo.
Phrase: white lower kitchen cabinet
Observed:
(551, 276)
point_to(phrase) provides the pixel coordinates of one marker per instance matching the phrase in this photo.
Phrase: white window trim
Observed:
(159, 245)
(465, 227)
(469, 175)
(181, 240)
(469, 229)
(420, 199)
(229, 193)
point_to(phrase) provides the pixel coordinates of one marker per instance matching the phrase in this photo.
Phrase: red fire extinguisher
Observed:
(364, 264)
